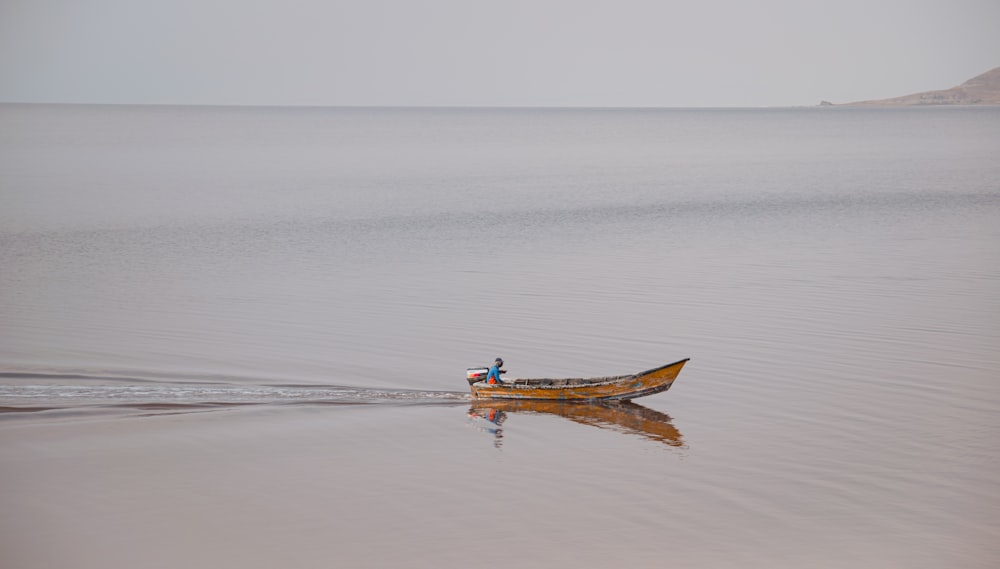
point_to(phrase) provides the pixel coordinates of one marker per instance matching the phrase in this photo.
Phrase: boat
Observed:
(613, 388)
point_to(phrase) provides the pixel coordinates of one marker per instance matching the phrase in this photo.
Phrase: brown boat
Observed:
(613, 388)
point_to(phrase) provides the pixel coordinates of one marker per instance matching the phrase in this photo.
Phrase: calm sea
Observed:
(238, 336)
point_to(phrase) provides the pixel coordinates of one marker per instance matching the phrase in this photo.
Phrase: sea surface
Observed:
(237, 337)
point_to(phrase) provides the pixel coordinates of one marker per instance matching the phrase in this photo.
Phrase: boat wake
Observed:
(78, 393)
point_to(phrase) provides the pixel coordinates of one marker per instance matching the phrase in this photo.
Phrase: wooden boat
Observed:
(619, 387)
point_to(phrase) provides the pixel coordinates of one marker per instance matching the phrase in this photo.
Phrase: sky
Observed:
(616, 53)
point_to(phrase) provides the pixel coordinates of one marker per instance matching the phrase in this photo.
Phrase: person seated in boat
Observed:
(493, 377)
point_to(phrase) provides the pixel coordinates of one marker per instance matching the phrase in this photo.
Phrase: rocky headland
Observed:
(980, 90)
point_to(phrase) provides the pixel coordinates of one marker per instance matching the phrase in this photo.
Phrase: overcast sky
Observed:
(668, 53)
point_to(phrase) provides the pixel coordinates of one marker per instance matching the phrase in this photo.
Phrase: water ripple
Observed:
(180, 397)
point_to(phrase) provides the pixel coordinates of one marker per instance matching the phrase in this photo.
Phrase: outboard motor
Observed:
(474, 374)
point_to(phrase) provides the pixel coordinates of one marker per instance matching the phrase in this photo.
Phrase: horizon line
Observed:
(419, 107)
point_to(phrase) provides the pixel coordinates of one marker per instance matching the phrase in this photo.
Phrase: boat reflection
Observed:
(624, 417)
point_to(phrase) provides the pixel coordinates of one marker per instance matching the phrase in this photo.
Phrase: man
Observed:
(493, 377)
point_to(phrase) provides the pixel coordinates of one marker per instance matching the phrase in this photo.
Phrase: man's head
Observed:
(498, 361)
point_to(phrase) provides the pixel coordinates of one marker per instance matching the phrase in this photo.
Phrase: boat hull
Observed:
(624, 387)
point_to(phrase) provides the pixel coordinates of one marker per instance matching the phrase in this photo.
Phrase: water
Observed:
(238, 336)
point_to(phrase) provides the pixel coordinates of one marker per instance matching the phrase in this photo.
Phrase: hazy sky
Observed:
(498, 52)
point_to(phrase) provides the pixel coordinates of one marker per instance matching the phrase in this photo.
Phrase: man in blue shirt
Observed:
(493, 376)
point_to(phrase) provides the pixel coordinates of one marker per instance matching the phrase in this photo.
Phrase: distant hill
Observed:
(980, 90)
